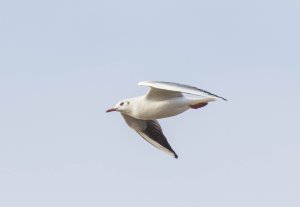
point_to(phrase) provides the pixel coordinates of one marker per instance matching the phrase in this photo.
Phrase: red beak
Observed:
(111, 110)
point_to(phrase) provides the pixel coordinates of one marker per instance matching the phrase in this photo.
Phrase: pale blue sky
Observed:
(63, 63)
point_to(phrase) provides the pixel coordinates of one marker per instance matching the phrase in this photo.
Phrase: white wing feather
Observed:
(176, 87)
(151, 131)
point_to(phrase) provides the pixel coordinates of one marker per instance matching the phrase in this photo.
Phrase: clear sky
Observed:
(63, 63)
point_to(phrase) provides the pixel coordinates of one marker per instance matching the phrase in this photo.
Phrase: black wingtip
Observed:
(221, 97)
(175, 156)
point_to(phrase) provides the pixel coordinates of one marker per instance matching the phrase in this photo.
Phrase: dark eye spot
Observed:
(128, 102)
(121, 104)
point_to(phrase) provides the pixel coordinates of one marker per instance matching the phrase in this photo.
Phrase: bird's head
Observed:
(122, 106)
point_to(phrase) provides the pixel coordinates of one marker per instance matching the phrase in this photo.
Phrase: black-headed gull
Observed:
(163, 100)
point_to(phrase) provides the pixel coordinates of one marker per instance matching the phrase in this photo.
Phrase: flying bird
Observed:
(164, 99)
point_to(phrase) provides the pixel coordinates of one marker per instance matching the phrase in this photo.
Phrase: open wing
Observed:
(151, 131)
(176, 88)
(161, 94)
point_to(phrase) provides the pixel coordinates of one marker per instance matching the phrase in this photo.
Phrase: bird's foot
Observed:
(198, 105)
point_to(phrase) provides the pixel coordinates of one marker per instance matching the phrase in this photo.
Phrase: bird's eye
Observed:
(121, 104)
(128, 102)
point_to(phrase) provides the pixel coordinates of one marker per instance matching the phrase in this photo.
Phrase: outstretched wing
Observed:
(161, 94)
(151, 131)
(176, 88)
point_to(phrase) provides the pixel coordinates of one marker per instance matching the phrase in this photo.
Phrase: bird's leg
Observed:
(198, 105)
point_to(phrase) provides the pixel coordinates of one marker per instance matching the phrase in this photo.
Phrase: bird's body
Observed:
(145, 109)
(161, 109)
(163, 100)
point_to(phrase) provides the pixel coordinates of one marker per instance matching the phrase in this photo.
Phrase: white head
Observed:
(122, 106)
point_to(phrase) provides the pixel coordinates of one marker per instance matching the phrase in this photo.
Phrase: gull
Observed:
(164, 99)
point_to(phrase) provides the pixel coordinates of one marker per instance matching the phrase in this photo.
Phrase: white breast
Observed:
(149, 110)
